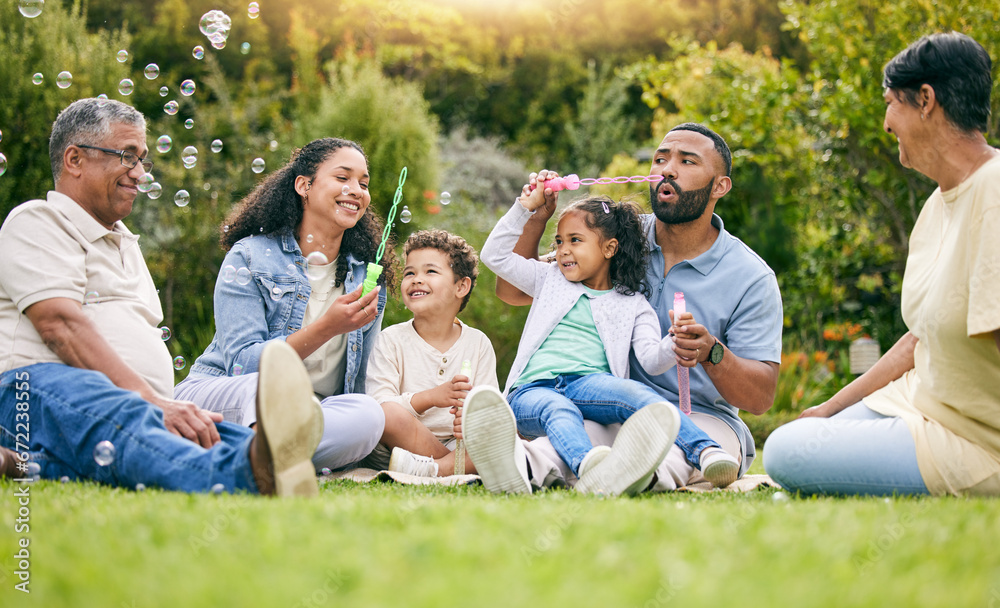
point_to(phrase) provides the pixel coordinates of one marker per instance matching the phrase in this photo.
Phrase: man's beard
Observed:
(689, 206)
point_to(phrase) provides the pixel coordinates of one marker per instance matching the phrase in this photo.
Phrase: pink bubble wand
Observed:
(683, 374)
(573, 181)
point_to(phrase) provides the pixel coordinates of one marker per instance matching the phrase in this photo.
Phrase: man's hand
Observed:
(692, 342)
(189, 421)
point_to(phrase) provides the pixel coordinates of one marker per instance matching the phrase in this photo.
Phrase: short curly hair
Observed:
(463, 256)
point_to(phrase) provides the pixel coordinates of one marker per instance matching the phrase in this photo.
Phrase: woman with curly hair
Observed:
(297, 247)
(572, 363)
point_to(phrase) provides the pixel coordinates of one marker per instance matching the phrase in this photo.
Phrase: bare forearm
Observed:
(307, 340)
(747, 384)
(894, 363)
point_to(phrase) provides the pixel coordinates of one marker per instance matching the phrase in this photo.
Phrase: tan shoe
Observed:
(289, 424)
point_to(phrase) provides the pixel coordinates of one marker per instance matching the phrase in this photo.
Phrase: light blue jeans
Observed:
(71, 410)
(857, 451)
(557, 408)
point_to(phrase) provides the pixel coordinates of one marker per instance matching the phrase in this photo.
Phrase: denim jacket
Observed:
(270, 304)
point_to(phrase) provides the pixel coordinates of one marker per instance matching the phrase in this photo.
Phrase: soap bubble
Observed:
(257, 166)
(122, 56)
(225, 228)
(206, 186)
(164, 333)
(267, 251)
(64, 79)
(144, 182)
(245, 48)
(189, 155)
(189, 123)
(34, 470)
(317, 258)
(219, 43)
(198, 52)
(218, 489)
(216, 146)
(64, 479)
(104, 453)
(37, 78)
(215, 22)
(187, 88)
(3, 163)
(126, 86)
(91, 297)
(309, 238)
(182, 198)
(405, 216)
(345, 190)
(1, 135)
(171, 107)
(155, 190)
(179, 363)
(140, 487)
(243, 276)
(779, 496)
(253, 10)
(292, 269)
(445, 198)
(163, 144)
(31, 8)
(228, 273)
(237, 369)
(164, 91)
(272, 146)
(152, 71)
(101, 100)
(325, 471)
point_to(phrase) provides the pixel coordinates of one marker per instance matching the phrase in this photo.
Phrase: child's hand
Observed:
(448, 394)
(677, 326)
(457, 426)
(541, 199)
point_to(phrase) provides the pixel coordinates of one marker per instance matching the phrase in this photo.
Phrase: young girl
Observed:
(572, 361)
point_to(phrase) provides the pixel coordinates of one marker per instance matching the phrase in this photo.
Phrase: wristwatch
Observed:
(715, 353)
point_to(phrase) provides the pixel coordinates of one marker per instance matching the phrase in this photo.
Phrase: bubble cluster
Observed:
(243, 276)
(216, 146)
(405, 216)
(198, 52)
(179, 363)
(126, 86)
(171, 107)
(182, 198)
(104, 453)
(164, 91)
(33, 8)
(187, 88)
(164, 333)
(37, 78)
(163, 144)
(215, 25)
(189, 123)
(228, 273)
(257, 166)
(152, 71)
(445, 198)
(64, 79)
(253, 10)
(155, 190)
(122, 56)
(145, 182)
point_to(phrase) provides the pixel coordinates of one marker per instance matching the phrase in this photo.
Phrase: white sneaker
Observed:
(593, 458)
(641, 444)
(718, 467)
(402, 461)
(490, 434)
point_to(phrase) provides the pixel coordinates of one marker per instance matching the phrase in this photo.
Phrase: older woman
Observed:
(926, 417)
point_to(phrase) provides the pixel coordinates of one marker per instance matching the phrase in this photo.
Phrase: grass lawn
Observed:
(382, 544)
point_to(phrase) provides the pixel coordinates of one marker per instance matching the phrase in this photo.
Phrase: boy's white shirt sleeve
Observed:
(655, 353)
(498, 252)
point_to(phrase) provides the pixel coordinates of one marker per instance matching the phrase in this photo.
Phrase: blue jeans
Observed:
(857, 451)
(71, 410)
(557, 408)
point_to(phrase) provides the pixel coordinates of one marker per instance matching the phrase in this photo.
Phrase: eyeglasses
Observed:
(128, 159)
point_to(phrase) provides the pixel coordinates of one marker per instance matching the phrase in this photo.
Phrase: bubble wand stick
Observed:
(683, 373)
(573, 181)
(375, 270)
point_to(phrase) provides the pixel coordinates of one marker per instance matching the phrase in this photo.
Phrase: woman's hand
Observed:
(823, 410)
(352, 311)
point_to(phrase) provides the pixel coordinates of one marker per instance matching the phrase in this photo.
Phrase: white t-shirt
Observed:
(55, 249)
(951, 303)
(328, 363)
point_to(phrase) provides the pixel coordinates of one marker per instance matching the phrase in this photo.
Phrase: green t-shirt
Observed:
(573, 347)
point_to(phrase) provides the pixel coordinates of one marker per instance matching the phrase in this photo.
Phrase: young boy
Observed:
(418, 364)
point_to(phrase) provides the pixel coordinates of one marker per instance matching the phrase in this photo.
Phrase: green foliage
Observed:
(601, 129)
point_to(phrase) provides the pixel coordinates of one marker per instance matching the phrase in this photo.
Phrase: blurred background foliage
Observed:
(470, 95)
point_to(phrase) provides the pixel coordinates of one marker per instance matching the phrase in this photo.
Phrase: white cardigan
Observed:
(622, 322)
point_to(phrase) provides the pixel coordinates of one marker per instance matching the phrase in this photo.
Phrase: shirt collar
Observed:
(705, 262)
(90, 228)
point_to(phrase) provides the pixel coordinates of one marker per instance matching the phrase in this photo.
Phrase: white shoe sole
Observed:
(490, 434)
(641, 444)
(291, 419)
(721, 473)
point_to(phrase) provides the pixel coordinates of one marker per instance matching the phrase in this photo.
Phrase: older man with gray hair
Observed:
(86, 382)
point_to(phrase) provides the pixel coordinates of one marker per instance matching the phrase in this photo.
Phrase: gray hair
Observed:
(88, 121)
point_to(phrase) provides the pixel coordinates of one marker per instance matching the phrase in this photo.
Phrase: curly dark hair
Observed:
(274, 207)
(618, 220)
(463, 257)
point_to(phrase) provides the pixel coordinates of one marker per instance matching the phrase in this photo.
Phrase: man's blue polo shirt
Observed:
(731, 291)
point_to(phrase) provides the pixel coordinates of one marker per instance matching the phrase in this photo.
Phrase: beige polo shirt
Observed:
(55, 249)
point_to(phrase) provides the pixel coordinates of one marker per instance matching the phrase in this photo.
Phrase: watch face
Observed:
(715, 355)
